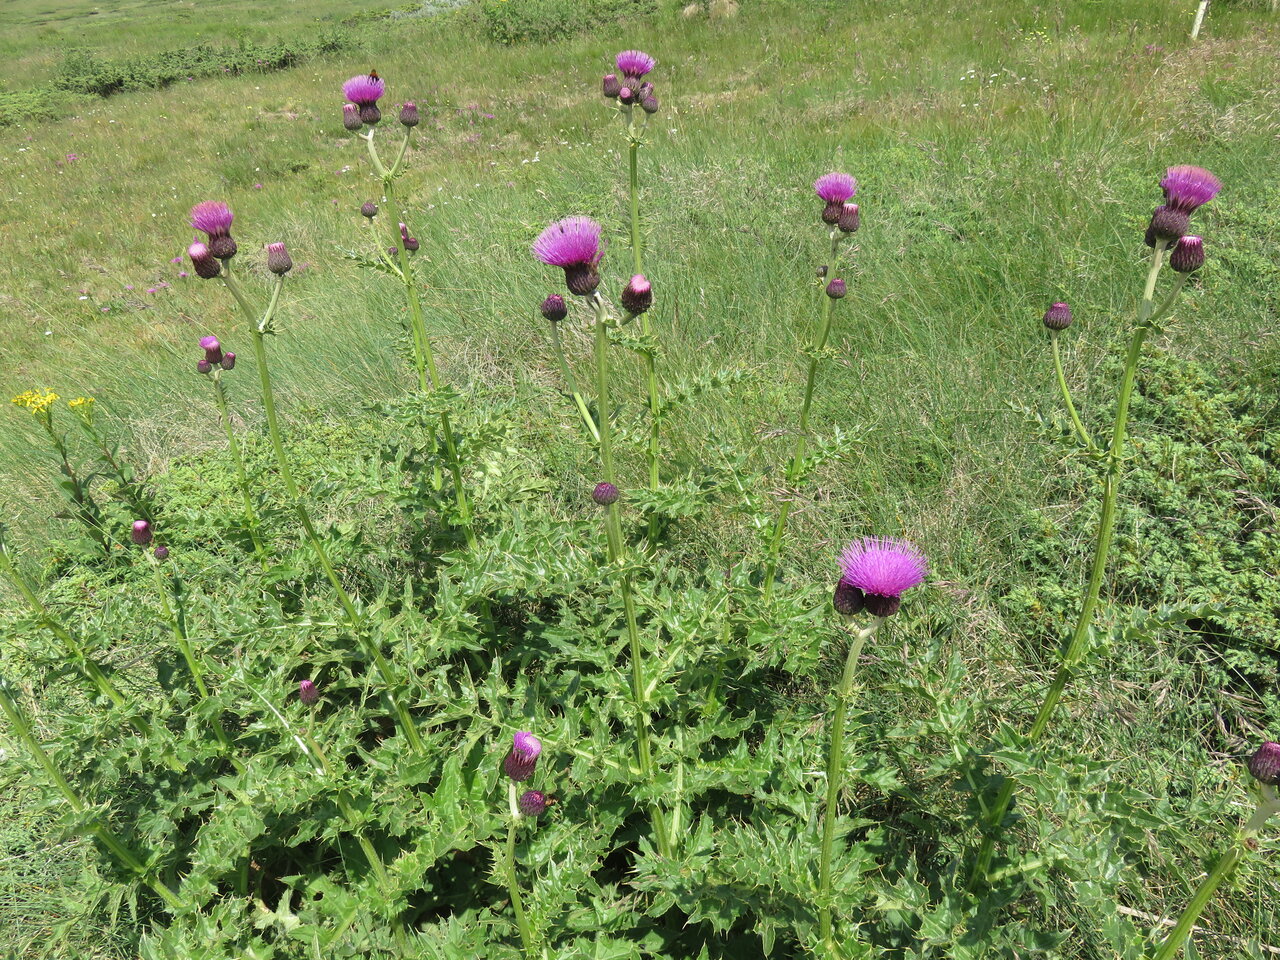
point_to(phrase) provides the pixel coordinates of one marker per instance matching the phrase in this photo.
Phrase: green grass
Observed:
(1008, 156)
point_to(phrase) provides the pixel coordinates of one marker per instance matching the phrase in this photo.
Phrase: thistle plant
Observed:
(1186, 189)
(574, 244)
(1264, 766)
(519, 766)
(629, 89)
(842, 219)
(874, 574)
(213, 365)
(215, 220)
(362, 113)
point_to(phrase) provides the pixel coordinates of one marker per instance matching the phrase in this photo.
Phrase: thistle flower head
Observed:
(605, 493)
(637, 295)
(1058, 316)
(523, 758)
(212, 349)
(1167, 224)
(883, 569)
(573, 244)
(835, 187)
(649, 104)
(1187, 255)
(161, 552)
(364, 89)
(213, 218)
(351, 117)
(204, 366)
(850, 218)
(532, 803)
(1265, 764)
(554, 308)
(203, 262)
(611, 86)
(837, 288)
(307, 692)
(369, 209)
(634, 63)
(140, 533)
(847, 599)
(409, 114)
(1187, 188)
(278, 260)
(228, 361)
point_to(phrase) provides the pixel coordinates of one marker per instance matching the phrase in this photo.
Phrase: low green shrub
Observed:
(516, 21)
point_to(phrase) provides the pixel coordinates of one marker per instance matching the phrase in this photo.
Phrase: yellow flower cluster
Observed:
(86, 402)
(37, 401)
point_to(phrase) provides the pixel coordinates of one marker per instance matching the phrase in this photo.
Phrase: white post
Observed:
(1200, 12)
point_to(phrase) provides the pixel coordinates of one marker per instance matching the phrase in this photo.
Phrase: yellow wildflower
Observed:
(83, 406)
(37, 401)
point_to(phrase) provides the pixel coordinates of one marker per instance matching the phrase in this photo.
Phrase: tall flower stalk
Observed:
(364, 92)
(1185, 189)
(207, 265)
(842, 218)
(519, 766)
(874, 574)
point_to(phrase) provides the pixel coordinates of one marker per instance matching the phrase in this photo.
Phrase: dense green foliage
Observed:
(512, 21)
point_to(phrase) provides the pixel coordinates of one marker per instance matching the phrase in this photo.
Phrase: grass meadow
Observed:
(1007, 154)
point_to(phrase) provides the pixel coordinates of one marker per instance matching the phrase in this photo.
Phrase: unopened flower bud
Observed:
(351, 116)
(532, 803)
(307, 692)
(1187, 255)
(645, 89)
(161, 552)
(223, 247)
(369, 209)
(212, 349)
(1058, 316)
(848, 599)
(627, 95)
(611, 86)
(141, 533)
(637, 295)
(1167, 224)
(278, 260)
(554, 308)
(605, 493)
(582, 279)
(831, 212)
(1265, 764)
(370, 114)
(409, 114)
(836, 289)
(228, 361)
(523, 758)
(203, 262)
(850, 219)
(203, 366)
(822, 272)
(649, 104)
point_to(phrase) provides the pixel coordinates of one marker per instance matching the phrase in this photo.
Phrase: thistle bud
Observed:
(307, 692)
(532, 803)
(369, 209)
(649, 104)
(223, 247)
(836, 289)
(1265, 764)
(831, 212)
(848, 599)
(203, 262)
(204, 366)
(161, 552)
(141, 533)
(637, 295)
(849, 219)
(554, 308)
(212, 349)
(409, 114)
(278, 260)
(611, 86)
(228, 361)
(370, 114)
(605, 493)
(351, 116)
(644, 90)
(1167, 224)
(523, 758)
(1187, 255)
(410, 243)
(627, 95)
(582, 279)
(1058, 316)
(822, 272)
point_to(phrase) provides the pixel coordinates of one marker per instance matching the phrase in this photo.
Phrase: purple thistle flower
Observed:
(649, 104)
(369, 209)
(161, 552)
(850, 218)
(520, 762)
(1187, 255)
(1265, 764)
(836, 289)
(213, 218)
(1058, 316)
(212, 349)
(409, 114)
(228, 361)
(627, 95)
(141, 533)
(835, 187)
(1186, 187)
(637, 295)
(307, 692)
(611, 86)
(634, 64)
(883, 569)
(532, 803)
(278, 260)
(573, 244)
(605, 493)
(351, 117)
(364, 89)
(554, 308)
(204, 366)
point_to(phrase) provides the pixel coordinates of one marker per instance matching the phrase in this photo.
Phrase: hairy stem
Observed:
(572, 382)
(1081, 432)
(513, 882)
(242, 476)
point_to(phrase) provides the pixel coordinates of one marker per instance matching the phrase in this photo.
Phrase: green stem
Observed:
(1066, 394)
(242, 476)
(122, 852)
(513, 884)
(802, 440)
(835, 771)
(572, 382)
(650, 363)
(179, 634)
(1102, 546)
(300, 510)
(1173, 943)
(617, 547)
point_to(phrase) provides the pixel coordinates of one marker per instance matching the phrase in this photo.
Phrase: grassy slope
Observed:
(1006, 161)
